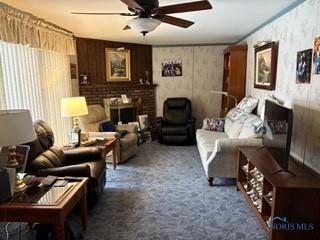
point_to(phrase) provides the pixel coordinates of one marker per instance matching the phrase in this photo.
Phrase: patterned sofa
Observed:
(219, 149)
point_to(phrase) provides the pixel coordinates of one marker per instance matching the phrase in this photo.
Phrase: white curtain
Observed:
(37, 80)
(2, 94)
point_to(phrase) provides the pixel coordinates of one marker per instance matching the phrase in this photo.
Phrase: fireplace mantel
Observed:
(120, 85)
(96, 93)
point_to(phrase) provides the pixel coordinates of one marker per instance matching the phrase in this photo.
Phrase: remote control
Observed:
(47, 181)
(60, 183)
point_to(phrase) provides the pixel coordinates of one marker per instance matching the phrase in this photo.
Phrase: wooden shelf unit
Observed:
(296, 198)
(234, 75)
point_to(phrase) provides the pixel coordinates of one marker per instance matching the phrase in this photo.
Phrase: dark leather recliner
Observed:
(177, 126)
(46, 159)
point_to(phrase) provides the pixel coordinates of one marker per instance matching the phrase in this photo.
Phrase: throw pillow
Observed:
(107, 126)
(215, 124)
(238, 114)
(254, 122)
(249, 132)
(278, 127)
(248, 104)
(240, 124)
(121, 133)
(232, 128)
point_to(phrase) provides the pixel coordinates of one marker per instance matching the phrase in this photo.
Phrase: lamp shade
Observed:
(74, 107)
(144, 25)
(16, 127)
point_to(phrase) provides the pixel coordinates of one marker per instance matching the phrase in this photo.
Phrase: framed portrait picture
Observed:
(265, 69)
(22, 153)
(316, 56)
(118, 65)
(171, 68)
(303, 69)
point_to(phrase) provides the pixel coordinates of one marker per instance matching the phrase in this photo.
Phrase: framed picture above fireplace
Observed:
(118, 65)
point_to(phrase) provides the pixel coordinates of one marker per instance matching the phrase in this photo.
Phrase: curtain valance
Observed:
(23, 28)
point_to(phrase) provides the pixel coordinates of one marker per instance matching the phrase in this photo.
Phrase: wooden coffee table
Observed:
(53, 213)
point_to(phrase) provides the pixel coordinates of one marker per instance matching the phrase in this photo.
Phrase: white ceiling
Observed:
(228, 22)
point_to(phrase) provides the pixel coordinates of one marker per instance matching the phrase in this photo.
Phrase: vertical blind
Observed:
(37, 80)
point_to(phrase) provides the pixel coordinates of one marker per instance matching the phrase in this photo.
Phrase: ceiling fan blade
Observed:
(127, 27)
(174, 21)
(132, 4)
(185, 7)
(104, 13)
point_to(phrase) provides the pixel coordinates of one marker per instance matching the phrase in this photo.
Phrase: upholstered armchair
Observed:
(177, 126)
(46, 159)
(126, 146)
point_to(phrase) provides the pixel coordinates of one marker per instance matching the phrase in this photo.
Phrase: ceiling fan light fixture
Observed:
(144, 25)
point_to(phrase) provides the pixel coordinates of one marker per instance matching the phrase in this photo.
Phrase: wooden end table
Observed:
(105, 145)
(111, 146)
(54, 214)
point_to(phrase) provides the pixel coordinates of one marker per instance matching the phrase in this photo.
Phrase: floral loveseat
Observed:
(218, 148)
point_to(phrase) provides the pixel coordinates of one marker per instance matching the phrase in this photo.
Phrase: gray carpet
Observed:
(162, 193)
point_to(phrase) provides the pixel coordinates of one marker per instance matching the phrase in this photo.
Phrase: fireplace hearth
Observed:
(118, 111)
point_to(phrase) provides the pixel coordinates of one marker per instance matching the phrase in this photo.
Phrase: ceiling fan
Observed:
(149, 15)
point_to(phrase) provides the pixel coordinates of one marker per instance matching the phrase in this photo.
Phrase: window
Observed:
(37, 80)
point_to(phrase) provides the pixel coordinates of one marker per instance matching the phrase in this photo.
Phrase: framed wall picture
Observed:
(118, 65)
(124, 98)
(143, 121)
(304, 62)
(73, 71)
(265, 69)
(171, 68)
(84, 79)
(316, 56)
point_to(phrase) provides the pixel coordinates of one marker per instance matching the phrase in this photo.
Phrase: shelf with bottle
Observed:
(252, 183)
(268, 192)
(256, 189)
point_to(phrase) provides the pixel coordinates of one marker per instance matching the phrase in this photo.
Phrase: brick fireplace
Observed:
(96, 93)
(91, 60)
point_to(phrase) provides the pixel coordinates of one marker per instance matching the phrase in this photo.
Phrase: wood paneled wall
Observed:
(91, 60)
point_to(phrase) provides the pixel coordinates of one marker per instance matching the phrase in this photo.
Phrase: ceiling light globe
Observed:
(144, 25)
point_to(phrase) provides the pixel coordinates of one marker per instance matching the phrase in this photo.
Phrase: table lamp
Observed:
(16, 127)
(227, 95)
(74, 107)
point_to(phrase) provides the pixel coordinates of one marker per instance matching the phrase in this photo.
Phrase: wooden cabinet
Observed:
(234, 75)
(287, 206)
